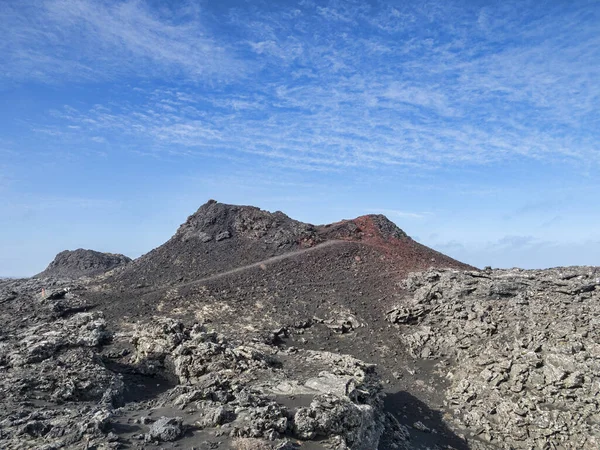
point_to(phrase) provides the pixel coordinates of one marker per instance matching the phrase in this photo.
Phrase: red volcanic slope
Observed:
(219, 238)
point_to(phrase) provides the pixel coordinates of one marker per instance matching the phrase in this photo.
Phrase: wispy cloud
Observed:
(58, 40)
(527, 252)
(516, 242)
(334, 86)
(395, 213)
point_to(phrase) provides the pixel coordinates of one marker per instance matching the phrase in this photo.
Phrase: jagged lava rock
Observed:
(518, 348)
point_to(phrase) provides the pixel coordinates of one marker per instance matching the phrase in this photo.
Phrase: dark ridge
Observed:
(81, 262)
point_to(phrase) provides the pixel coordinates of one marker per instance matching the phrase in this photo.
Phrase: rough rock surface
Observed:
(71, 264)
(247, 388)
(519, 349)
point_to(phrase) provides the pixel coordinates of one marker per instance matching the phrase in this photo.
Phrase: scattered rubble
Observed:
(61, 386)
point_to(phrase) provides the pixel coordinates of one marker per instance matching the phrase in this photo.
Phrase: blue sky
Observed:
(474, 125)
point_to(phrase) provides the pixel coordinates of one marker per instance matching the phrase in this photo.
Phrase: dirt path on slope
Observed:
(264, 262)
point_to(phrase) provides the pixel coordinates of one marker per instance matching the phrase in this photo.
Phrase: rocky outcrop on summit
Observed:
(220, 221)
(217, 238)
(71, 264)
(367, 228)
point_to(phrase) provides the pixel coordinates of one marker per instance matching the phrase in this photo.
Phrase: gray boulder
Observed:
(166, 429)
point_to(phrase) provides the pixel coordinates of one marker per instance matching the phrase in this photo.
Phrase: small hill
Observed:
(221, 238)
(73, 264)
